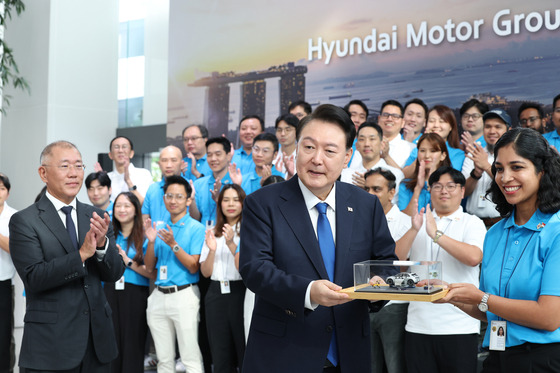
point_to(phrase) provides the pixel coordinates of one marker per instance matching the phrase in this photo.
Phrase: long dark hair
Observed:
(220, 217)
(136, 237)
(447, 115)
(532, 146)
(436, 141)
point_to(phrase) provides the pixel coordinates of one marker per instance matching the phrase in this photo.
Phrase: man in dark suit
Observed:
(288, 262)
(62, 250)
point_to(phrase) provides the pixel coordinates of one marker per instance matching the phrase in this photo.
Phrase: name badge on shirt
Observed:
(498, 335)
(163, 273)
(224, 287)
(119, 285)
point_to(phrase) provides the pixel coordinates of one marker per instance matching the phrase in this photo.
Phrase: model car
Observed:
(403, 279)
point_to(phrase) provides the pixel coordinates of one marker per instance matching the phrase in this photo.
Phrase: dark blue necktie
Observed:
(70, 227)
(326, 244)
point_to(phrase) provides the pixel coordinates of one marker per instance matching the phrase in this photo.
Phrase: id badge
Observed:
(481, 200)
(224, 287)
(498, 331)
(119, 285)
(163, 273)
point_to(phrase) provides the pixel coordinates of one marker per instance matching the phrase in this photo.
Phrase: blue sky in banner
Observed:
(440, 51)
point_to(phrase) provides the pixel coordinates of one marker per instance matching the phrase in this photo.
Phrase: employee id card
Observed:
(498, 331)
(119, 285)
(163, 272)
(224, 287)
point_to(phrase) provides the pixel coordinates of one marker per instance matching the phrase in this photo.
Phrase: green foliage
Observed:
(9, 72)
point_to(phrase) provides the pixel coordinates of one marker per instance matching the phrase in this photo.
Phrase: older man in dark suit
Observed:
(299, 240)
(62, 250)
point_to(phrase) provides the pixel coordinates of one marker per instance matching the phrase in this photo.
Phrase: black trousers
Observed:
(90, 363)
(131, 328)
(6, 325)
(455, 353)
(224, 322)
(526, 358)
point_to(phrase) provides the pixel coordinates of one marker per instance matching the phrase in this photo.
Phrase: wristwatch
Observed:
(437, 236)
(129, 264)
(133, 188)
(176, 248)
(483, 305)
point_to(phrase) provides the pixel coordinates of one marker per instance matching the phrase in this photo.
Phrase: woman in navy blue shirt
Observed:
(519, 284)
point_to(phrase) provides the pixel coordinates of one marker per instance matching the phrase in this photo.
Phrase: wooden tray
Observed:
(394, 296)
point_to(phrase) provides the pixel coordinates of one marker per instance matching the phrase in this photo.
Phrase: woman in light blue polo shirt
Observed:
(432, 154)
(520, 282)
(128, 297)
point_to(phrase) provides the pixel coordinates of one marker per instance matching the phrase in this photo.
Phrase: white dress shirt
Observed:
(7, 269)
(477, 203)
(140, 177)
(310, 201)
(224, 262)
(400, 149)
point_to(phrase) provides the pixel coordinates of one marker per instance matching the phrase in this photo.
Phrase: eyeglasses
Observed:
(285, 130)
(193, 139)
(394, 116)
(176, 197)
(450, 187)
(528, 120)
(68, 167)
(264, 151)
(475, 116)
(119, 147)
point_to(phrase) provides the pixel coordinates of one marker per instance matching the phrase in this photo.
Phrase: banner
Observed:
(230, 59)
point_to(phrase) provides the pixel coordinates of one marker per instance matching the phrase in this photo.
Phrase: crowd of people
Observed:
(203, 260)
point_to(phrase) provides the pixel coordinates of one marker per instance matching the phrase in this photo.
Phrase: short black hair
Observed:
(219, 140)
(290, 119)
(305, 105)
(121, 137)
(252, 116)
(417, 101)
(273, 179)
(530, 105)
(392, 103)
(101, 176)
(203, 130)
(387, 175)
(531, 145)
(331, 114)
(174, 179)
(373, 125)
(473, 102)
(4, 179)
(555, 100)
(457, 176)
(359, 103)
(265, 136)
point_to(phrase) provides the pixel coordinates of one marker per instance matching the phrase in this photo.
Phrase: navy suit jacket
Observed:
(64, 298)
(280, 256)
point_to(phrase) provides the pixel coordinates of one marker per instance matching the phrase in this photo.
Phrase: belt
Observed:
(173, 289)
(488, 222)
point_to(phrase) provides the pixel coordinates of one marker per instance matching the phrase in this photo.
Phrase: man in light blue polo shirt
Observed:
(194, 164)
(553, 137)
(174, 251)
(170, 164)
(249, 127)
(265, 149)
(208, 187)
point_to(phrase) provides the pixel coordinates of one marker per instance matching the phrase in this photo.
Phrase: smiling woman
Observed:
(518, 288)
